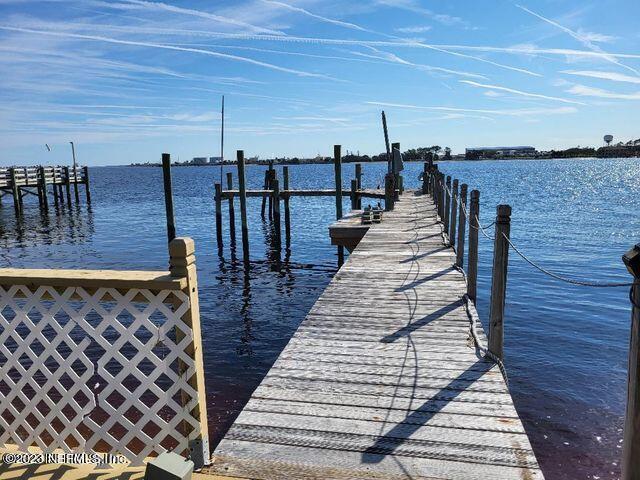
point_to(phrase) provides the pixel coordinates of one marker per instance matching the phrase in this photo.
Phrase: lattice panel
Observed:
(96, 371)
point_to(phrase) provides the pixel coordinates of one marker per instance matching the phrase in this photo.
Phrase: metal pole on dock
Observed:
(359, 184)
(168, 196)
(462, 225)
(337, 164)
(447, 204)
(454, 212)
(218, 202)
(472, 271)
(499, 281)
(86, 184)
(232, 210)
(287, 213)
(631, 442)
(243, 203)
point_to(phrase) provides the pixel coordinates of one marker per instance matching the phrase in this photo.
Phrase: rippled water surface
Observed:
(565, 346)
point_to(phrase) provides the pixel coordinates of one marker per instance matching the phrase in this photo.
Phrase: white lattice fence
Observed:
(86, 368)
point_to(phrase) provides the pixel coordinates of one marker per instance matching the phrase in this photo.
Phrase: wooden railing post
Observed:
(182, 263)
(472, 270)
(631, 445)
(499, 280)
(232, 208)
(454, 213)
(243, 203)
(168, 196)
(447, 204)
(461, 226)
(218, 203)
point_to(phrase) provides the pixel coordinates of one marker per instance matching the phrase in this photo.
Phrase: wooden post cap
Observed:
(631, 260)
(181, 247)
(475, 195)
(503, 213)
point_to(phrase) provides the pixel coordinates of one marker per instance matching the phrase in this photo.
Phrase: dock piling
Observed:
(472, 271)
(271, 175)
(75, 184)
(631, 445)
(337, 164)
(67, 185)
(168, 196)
(359, 184)
(232, 210)
(499, 280)
(454, 212)
(461, 226)
(15, 191)
(218, 202)
(43, 188)
(243, 203)
(86, 184)
(425, 179)
(275, 195)
(354, 194)
(287, 213)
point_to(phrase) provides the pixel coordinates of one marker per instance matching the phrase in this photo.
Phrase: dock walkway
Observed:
(382, 379)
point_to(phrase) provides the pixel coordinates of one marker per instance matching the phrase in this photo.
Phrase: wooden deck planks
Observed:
(382, 379)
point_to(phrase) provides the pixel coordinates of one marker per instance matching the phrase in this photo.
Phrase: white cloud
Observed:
(520, 112)
(412, 6)
(519, 92)
(613, 76)
(292, 8)
(586, 91)
(418, 29)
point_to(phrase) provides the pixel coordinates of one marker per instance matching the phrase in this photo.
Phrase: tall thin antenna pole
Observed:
(73, 152)
(222, 142)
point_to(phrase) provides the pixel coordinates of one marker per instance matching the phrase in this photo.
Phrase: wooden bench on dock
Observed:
(383, 379)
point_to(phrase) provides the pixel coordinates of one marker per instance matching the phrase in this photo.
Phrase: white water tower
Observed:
(608, 139)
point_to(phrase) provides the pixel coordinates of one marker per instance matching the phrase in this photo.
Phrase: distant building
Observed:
(199, 160)
(499, 152)
(215, 160)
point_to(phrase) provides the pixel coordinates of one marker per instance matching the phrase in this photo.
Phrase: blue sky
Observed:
(129, 79)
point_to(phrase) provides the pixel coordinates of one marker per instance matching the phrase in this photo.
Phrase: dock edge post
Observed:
(242, 188)
(472, 270)
(218, 202)
(168, 196)
(462, 223)
(454, 213)
(631, 442)
(499, 280)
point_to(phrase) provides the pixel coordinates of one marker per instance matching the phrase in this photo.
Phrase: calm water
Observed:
(566, 346)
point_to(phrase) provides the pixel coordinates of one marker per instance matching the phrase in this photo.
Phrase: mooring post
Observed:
(26, 182)
(264, 197)
(631, 442)
(168, 196)
(447, 204)
(461, 226)
(75, 184)
(354, 194)
(499, 281)
(15, 191)
(276, 211)
(425, 179)
(389, 187)
(67, 185)
(54, 187)
(359, 184)
(287, 213)
(337, 164)
(271, 174)
(243, 203)
(443, 196)
(472, 271)
(43, 188)
(454, 213)
(218, 202)
(395, 154)
(86, 184)
(232, 209)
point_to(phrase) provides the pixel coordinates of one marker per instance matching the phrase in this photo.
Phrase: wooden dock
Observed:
(383, 380)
